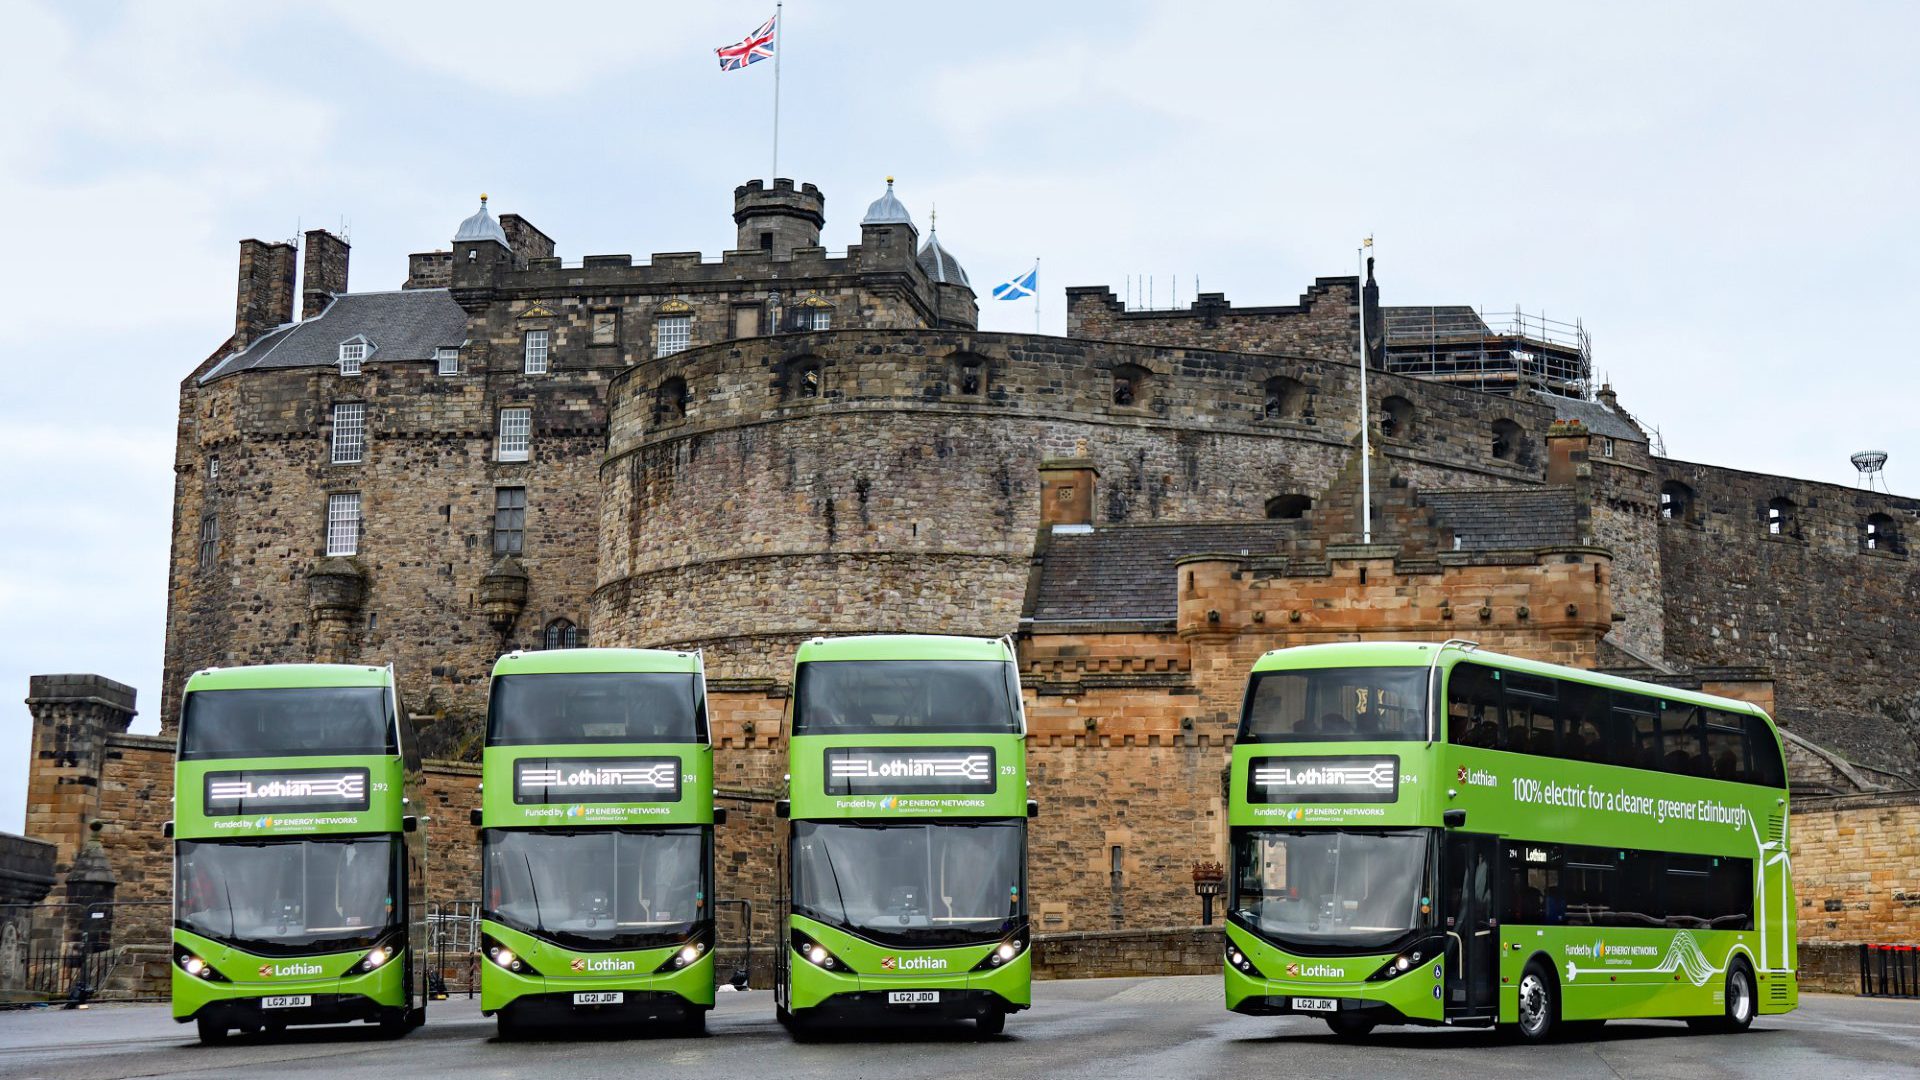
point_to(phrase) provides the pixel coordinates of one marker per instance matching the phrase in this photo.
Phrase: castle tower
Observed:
(779, 219)
(73, 716)
(953, 291)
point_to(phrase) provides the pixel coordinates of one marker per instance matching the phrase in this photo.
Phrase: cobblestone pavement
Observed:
(1112, 1029)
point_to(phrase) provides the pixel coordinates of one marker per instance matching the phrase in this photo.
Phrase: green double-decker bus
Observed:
(300, 871)
(597, 840)
(1435, 834)
(906, 887)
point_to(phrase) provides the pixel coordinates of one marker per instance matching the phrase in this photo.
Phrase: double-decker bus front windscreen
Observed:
(286, 722)
(923, 885)
(1316, 888)
(876, 697)
(1351, 704)
(596, 707)
(599, 889)
(290, 897)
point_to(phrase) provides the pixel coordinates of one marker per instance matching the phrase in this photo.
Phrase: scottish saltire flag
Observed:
(752, 49)
(1018, 288)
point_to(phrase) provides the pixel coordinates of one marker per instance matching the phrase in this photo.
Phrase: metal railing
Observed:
(73, 953)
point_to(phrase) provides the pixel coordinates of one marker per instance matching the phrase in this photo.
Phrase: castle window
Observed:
(213, 467)
(802, 379)
(448, 358)
(343, 524)
(1676, 501)
(672, 401)
(766, 241)
(561, 634)
(746, 320)
(672, 334)
(516, 434)
(819, 318)
(349, 432)
(1288, 507)
(536, 352)
(509, 520)
(1880, 534)
(1396, 418)
(1606, 447)
(1506, 439)
(969, 375)
(606, 328)
(352, 353)
(1130, 384)
(1780, 517)
(209, 540)
(1285, 397)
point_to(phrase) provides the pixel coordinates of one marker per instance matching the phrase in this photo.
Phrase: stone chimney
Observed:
(265, 297)
(526, 241)
(1066, 491)
(1567, 446)
(324, 273)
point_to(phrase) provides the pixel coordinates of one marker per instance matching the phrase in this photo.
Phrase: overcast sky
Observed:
(1723, 193)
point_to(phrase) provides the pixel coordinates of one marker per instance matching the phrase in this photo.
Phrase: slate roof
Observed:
(1444, 320)
(940, 264)
(1126, 571)
(1597, 417)
(1507, 518)
(404, 325)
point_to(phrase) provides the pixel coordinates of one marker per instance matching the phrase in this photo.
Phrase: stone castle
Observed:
(516, 451)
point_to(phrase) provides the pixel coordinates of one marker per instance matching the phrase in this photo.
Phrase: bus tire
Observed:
(782, 1016)
(991, 1022)
(1740, 999)
(211, 1033)
(1539, 1004)
(1349, 1027)
(694, 1024)
(395, 1024)
(508, 1026)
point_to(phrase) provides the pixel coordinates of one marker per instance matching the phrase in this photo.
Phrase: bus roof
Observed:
(903, 647)
(1420, 654)
(288, 677)
(582, 661)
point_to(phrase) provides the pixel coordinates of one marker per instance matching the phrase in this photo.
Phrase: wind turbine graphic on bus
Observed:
(1779, 857)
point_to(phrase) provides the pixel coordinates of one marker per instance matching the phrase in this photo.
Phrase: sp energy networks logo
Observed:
(913, 963)
(596, 965)
(281, 971)
(1315, 971)
(1476, 777)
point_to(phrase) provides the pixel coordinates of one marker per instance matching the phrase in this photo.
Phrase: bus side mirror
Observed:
(719, 815)
(166, 830)
(409, 823)
(782, 807)
(1453, 819)
(1033, 807)
(473, 816)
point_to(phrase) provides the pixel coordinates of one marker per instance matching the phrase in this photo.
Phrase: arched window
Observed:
(1506, 439)
(1780, 517)
(1879, 533)
(1288, 507)
(1284, 398)
(969, 375)
(1396, 417)
(1676, 501)
(561, 634)
(673, 400)
(1130, 384)
(803, 378)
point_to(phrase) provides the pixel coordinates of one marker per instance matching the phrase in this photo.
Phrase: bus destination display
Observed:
(596, 779)
(1350, 779)
(922, 771)
(286, 791)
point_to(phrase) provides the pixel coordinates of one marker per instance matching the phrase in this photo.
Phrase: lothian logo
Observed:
(579, 963)
(889, 963)
(1293, 969)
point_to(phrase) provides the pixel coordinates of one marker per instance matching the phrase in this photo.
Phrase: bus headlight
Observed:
(505, 958)
(1003, 952)
(685, 955)
(1398, 965)
(376, 957)
(1239, 961)
(195, 966)
(816, 954)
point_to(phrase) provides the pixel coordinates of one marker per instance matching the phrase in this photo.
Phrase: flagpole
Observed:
(1366, 447)
(779, 46)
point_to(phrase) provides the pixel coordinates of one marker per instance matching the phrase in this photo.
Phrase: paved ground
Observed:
(1112, 1029)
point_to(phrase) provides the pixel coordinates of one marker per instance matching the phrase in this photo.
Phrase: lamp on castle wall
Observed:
(1209, 881)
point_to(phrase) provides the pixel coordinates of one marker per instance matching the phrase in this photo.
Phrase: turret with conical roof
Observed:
(952, 291)
(481, 254)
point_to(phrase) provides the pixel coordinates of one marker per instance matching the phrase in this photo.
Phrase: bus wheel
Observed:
(1349, 1027)
(991, 1022)
(1739, 999)
(211, 1033)
(395, 1024)
(782, 1016)
(509, 1025)
(694, 1024)
(1538, 1009)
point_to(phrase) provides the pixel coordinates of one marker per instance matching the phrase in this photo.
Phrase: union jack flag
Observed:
(754, 48)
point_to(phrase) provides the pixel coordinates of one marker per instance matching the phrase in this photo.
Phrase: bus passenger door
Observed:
(1472, 924)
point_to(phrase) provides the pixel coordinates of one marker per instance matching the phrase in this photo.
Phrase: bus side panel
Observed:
(1607, 973)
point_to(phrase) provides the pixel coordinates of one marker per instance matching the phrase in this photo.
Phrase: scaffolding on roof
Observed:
(1495, 353)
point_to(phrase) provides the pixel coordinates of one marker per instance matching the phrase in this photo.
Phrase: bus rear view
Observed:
(597, 840)
(300, 872)
(907, 849)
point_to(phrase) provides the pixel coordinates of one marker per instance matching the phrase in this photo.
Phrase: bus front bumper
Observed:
(962, 995)
(1414, 996)
(376, 995)
(667, 996)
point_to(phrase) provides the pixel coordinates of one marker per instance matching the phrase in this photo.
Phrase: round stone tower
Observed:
(778, 219)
